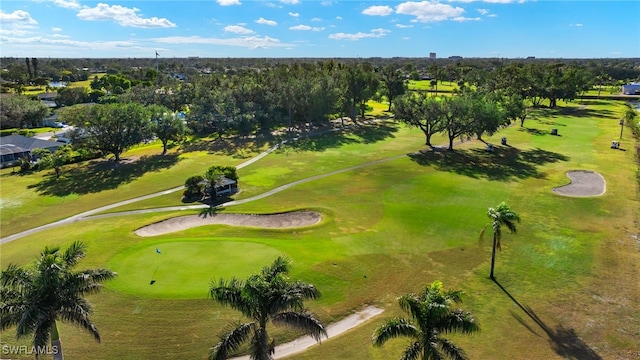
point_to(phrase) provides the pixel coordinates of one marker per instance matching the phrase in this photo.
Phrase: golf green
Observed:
(184, 269)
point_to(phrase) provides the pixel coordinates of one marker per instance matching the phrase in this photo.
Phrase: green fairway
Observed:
(567, 280)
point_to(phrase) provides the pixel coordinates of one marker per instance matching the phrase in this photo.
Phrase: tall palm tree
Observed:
(264, 297)
(432, 315)
(34, 299)
(500, 215)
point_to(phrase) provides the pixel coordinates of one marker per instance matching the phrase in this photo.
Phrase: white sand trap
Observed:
(583, 184)
(284, 220)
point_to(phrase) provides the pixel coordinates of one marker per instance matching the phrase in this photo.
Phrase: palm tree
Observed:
(34, 299)
(264, 297)
(432, 315)
(500, 215)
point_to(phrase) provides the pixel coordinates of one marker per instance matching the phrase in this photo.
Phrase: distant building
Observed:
(631, 89)
(432, 55)
(14, 147)
(455, 57)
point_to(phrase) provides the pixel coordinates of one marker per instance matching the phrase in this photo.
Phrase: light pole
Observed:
(621, 127)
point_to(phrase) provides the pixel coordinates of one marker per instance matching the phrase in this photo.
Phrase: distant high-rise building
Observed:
(432, 55)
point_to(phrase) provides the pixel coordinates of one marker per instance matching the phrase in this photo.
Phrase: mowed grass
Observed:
(390, 228)
(27, 200)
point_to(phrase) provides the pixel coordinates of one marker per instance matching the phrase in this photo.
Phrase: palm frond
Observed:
(74, 252)
(451, 350)
(481, 237)
(412, 304)
(231, 341)
(458, 320)
(413, 351)
(304, 321)
(42, 334)
(394, 328)
(279, 266)
(259, 346)
(79, 316)
(14, 276)
(229, 293)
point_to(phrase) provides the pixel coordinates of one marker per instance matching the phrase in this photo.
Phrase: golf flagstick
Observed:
(153, 277)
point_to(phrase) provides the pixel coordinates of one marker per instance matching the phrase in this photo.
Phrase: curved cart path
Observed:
(303, 343)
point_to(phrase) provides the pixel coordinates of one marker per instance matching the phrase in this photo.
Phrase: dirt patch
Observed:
(284, 220)
(583, 184)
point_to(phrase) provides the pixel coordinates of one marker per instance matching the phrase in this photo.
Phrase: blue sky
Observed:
(320, 28)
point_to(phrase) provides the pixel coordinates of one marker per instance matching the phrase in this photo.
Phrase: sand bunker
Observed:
(583, 184)
(284, 220)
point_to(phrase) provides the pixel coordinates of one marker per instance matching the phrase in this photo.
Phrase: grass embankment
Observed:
(569, 275)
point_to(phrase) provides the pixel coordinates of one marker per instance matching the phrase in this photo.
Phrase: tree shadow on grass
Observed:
(102, 175)
(505, 163)
(565, 342)
(532, 131)
(578, 112)
(362, 134)
(234, 146)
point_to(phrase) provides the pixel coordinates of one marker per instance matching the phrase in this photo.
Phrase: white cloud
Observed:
(426, 11)
(228, 2)
(250, 42)
(403, 26)
(290, 2)
(13, 32)
(306, 28)
(483, 11)
(237, 29)
(60, 36)
(326, 2)
(272, 5)
(463, 19)
(375, 33)
(17, 23)
(73, 44)
(264, 21)
(56, 29)
(17, 17)
(315, 19)
(294, 14)
(378, 11)
(68, 4)
(406, 38)
(339, 17)
(492, 15)
(123, 16)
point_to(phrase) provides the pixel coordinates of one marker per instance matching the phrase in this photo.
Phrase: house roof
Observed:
(28, 143)
(223, 181)
(11, 149)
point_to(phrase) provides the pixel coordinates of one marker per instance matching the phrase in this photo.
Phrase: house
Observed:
(15, 147)
(48, 99)
(631, 89)
(224, 186)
